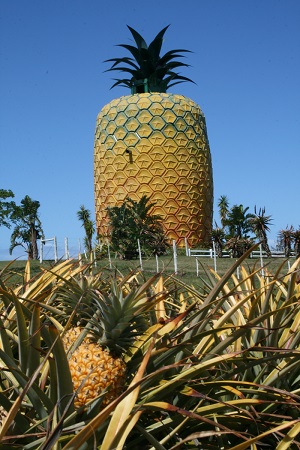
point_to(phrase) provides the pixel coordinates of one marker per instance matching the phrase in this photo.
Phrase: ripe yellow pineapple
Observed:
(93, 369)
(110, 322)
(154, 143)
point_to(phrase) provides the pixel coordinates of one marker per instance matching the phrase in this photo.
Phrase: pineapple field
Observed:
(91, 358)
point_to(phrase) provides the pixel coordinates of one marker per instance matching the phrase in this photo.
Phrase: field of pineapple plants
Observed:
(98, 358)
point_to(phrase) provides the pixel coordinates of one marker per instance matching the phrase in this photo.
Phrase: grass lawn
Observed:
(186, 267)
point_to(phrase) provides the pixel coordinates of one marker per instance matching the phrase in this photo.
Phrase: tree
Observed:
(84, 215)
(6, 207)
(122, 227)
(223, 205)
(238, 222)
(28, 227)
(296, 235)
(218, 237)
(237, 246)
(260, 226)
(285, 240)
(133, 221)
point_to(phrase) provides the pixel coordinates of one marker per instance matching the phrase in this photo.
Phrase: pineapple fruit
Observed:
(155, 143)
(102, 329)
(94, 369)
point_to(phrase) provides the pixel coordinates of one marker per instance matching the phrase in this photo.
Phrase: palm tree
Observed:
(218, 237)
(28, 227)
(223, 205)
(296, 236)
(149, 226)
(122, 227)
(84, 215)
(238, 225)
(260, 226)
(238, 222)
(148, 71)
(133, 221)
(237, 246)
(286, 239)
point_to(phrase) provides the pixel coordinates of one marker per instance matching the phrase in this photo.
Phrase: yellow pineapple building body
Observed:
(155, 144)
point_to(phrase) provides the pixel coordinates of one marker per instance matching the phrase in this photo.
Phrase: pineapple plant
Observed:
(104, 324)
(154, 143)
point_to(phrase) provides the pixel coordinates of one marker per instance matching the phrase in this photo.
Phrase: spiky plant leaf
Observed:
(65, 395)
(147, 65)
(34, 353)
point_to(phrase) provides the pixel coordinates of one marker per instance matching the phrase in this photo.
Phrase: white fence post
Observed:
(67, 253)
(109, 258)
(261, 260)
(140, 254)
(186, 246)
(197, 267)
(157, 268)
(215, 256)
(55, 249)
(175, 257)
(41, 251)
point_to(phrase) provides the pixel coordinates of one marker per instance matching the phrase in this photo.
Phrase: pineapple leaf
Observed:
(148, 66)
(40, 402)
(35, 341)
(19, 418)
(140, 42)
(117, 433)
(286, 442)
(156, 44)
(23, 336)
(271, 430)
(65, 386)
(5, 343)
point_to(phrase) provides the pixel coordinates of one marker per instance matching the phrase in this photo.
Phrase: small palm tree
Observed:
(223, 205)
(237, 246)
(133, 221)
(218, 237)
(296, 236)
(121, 228)
(260, 226)
(28, 227)
(286, 239)
(238, 222)
(148, 225)
(84, 215)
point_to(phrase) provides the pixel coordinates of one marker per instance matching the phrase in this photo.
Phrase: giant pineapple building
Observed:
(155, 143)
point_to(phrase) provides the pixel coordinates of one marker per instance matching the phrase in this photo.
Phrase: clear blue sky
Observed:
(245, 61)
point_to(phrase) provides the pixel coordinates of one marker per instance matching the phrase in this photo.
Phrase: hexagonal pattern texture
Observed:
(156, 144)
